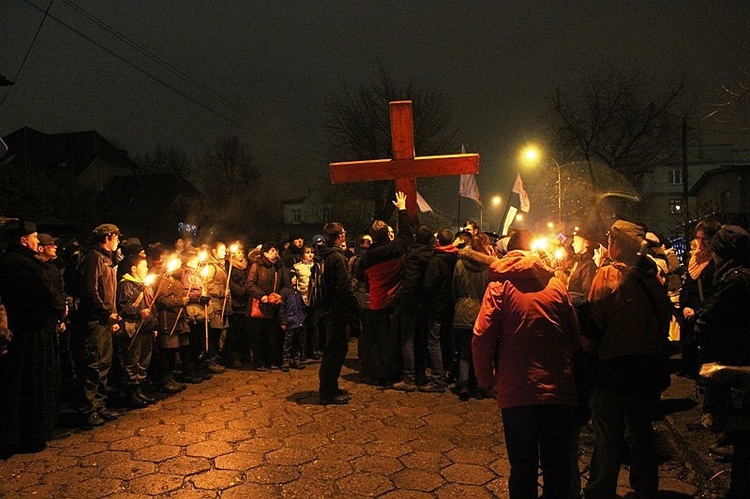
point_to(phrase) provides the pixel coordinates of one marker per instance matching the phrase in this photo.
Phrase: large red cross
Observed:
(404, 168)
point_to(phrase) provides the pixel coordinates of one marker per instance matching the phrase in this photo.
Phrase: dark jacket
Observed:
(470, 278)
(133, 297)
(239, 286)
(690, 294)
(338, 283)
(265, 278)
(381, 251)
(170, 307)
(292, 309)
(98, 285)
(438, 282)
(724, 321)
(411, 291)
(30, 298)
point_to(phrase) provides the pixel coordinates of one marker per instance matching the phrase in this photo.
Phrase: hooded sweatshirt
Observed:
(526, 331)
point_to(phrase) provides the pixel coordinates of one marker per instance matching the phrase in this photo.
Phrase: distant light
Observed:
(550, 225)
(576, 228)
(496, 200)
(540, 244)
(519, 217)
(559, 254)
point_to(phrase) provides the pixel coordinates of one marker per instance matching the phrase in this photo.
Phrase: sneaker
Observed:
(339, 399)
(404, 386)
(108, 415)
(432, 387)
(171, 386)
(93, 419)
(464, 395)
(215, 368)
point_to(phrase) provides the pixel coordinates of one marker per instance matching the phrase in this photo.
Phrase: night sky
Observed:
(275, 63)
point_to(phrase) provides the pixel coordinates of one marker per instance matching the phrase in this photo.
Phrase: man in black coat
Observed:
(30, 371)
(339, 308)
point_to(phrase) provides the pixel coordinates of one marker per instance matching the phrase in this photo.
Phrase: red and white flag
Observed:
(522, 194)
(468, 188)
(422, 204)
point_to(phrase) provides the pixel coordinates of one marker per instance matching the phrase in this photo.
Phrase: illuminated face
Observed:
(49, 251)
(391, 234)
(221, 251)
(703, 240)
(579, 245)
(141, 270)
(111, 242)
(272, 254)
(298, 242)
(307, 255)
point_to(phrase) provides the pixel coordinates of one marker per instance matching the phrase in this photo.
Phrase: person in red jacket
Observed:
(523, 344)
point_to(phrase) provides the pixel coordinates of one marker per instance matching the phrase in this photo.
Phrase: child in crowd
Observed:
(292, 318)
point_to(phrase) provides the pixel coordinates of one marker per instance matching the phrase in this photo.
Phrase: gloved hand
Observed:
(204, 300)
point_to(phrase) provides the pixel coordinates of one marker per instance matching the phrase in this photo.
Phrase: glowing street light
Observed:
(496, 200)
(531, 155)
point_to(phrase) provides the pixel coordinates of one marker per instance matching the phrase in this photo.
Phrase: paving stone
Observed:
(17, 480)
(277, 431)
(305, 441)
(316, 428)
(229, 435)
(81, 449)
(477, 429)
(202, 427)
(406, 494)
(158, 430)
(424, 481)
(411, 412)
(64, 477)
(388, 449)
(52, 463)
(499, 487)
(262, 445)
(217, 479)
(431, 444)
(155, 484)
(208, 449)
(184, 465)
(156, 453)
(344, 452)
(251, 490)
(461, 491)
(470, 456)
(110, 435)
(95, 487)
(309, 488)
(290, 456)
(42, 491)
(364, 484)
(467, 474)
(426, 461)
(501, 467)
(126, 470)
(273, 474)
(378, 465)
(448, 420)
(181, 438)
(239, 461)
(329, 469)
(133, 443)
(404, 422)
(347, 437)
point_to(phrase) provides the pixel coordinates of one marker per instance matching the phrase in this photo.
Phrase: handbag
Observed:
(258, 312)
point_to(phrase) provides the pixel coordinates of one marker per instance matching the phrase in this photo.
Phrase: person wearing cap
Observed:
(724, 324)
(630, 311)
(30, 369)
(292, 318)
(97, 320)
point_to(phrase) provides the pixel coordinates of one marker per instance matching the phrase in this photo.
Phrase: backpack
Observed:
(317, 293)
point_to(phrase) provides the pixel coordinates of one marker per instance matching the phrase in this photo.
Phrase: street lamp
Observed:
(532, 156)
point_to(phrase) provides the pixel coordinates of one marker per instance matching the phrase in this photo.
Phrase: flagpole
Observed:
(458, 221)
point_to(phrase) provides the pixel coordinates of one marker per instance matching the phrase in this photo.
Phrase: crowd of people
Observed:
(559, 340)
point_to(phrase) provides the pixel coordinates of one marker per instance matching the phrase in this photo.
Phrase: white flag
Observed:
(468, 188)
(518, 189)
(422, 204)
(509, 217)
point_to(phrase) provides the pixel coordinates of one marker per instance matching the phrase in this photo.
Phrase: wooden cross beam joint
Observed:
(405, 167)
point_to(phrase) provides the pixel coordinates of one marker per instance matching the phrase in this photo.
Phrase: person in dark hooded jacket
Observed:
(264, 280)
(724, 329)
(411, 298)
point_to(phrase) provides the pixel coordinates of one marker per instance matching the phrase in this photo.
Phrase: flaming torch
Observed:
(232, 250)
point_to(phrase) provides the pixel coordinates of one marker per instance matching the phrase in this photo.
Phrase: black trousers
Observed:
(337, 345)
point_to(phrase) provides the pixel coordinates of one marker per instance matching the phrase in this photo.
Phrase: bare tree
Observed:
(170, 160)
(730, 100)
(229, 177)
(358, 128)
(615, 119)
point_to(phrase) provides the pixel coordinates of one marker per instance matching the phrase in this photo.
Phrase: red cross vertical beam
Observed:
(405, 167)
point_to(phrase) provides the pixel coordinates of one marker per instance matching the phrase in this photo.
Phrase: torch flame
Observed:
(204, 271)
(233, 248)
(539, 244)
(149, 279)
(173, 265)
(203, 255)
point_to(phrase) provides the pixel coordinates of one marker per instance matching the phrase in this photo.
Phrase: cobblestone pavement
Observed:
(253, 435)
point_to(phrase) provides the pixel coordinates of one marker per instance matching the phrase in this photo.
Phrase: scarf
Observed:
(698, 262)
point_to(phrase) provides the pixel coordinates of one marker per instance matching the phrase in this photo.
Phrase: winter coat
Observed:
(30, 299)
(438, 281)
(724, 321)
(525, 334)
(239, 286)
(304, 270)
(130, 303)
(690, 294)
(583, 274)
(411, 292)
(470, 279)
(338, 283)
(98, 286)
(265, 278)
(171, 314)
(631, 312)
(292, 309)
